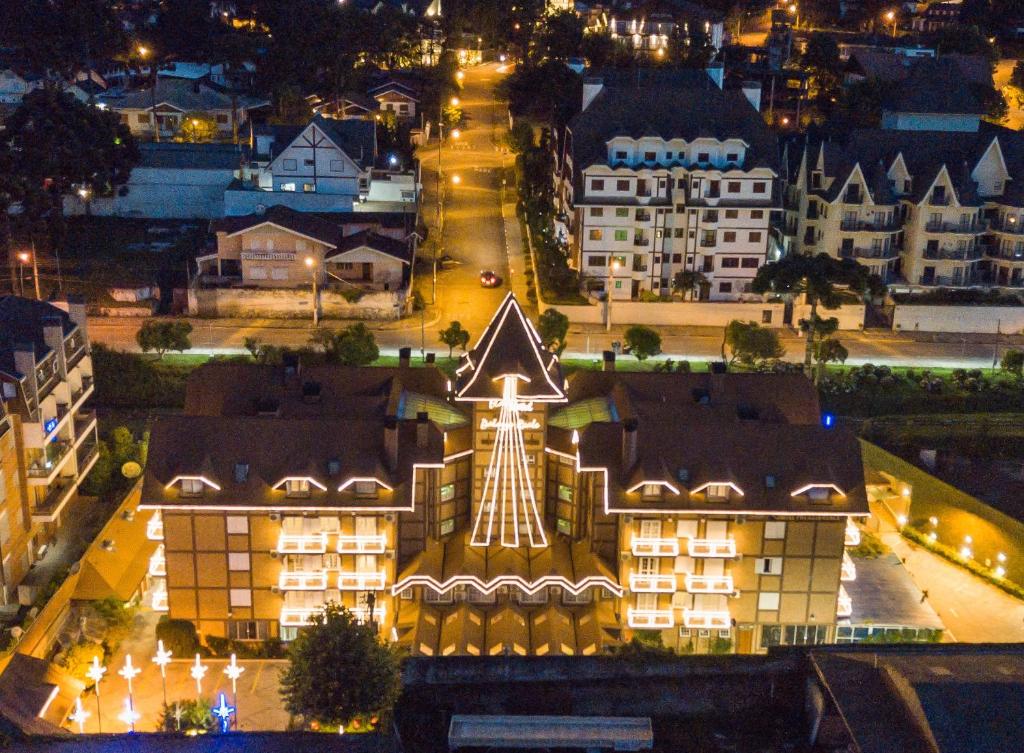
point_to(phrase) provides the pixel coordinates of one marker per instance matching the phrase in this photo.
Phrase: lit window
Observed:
(238, 561)
(240, 597)
(191, 487)
(238, 524)
(652, 490)
(565, 492)
(775, 529)
(447, 492)
(768, 601)
(819, 493)
(718, 491)
(297, 487)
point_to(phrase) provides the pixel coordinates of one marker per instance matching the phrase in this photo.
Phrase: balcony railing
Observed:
(863, 226)
(362, 613)
(73, 352)
(712, 548)
(46, 466)
(298, 616)
(159, 600)
(869, 253)
(960, 254)
(641, 241)
(361, 581)
(659, 584)
(852, 537)
(371, 543)
(302, 543)
(645, 547)
(158, 563)
(709, 584)
(849, 570)
(650, 618)
(1005, 226)
(302, 581)
(155, 527)
(971, 228)
(844, 605)
(706, 619)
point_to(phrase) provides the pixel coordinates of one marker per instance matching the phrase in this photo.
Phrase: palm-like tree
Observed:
(688, 280)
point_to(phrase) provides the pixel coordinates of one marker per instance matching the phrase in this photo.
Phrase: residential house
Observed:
(662, 172)
(507, 511)
(283, 248)
(45, 378)
(397, 97)
(937, 16)
(173, 100)
(921, 208)
(650, 26)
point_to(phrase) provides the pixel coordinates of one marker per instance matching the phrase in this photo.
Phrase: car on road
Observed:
(489, 279)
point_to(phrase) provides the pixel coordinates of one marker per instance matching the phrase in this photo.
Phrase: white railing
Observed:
(709, 584)
(852, 534)
(298, 616)
(712, 548)
(650, 618)
(706, 619)
(361, 581)
(844, 605)
(849, 570)
(155, 527)
(362, 613)
(643, 547)
(302, 581)
(642, 583)
(374, 543)
(302, 543)
(160, 600)
(158, 563)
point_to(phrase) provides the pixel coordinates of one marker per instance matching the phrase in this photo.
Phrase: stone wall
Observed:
(1007, 320)
(264, 303)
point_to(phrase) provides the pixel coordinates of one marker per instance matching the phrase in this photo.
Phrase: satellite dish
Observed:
(131, 469)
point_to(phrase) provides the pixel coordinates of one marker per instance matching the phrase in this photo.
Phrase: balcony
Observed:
(302, 581)
(361, 581)
(644, 547)
(155, 527)
(704, 619)
(849, 570)
(709, 584)
(85, 422)
(158, 563)
(86, 454)
(159, 600)
(362, 613)
(1013, 227)
(650, 619)
(42, 471)
(712, 548)
(374, 543)
(967, 228)
(298, 616)
(641, 241)
(862, 226)
(302, 543)
(957, 254)
(73, 351)
(869, 253)
(658, 584)
(852, 537)
(844, 604)
(57, 496)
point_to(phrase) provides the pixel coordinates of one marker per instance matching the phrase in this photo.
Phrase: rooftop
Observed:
(21, 323)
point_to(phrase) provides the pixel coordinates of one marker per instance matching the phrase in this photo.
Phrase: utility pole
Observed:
(35, 272)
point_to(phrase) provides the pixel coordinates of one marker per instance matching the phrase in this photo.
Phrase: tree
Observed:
(562, 35)
(821, 330)
(338, 670)
(553, 327)
(816, 277)
(455, 336)
(642, 342)
(821, 58)
(353, 346)
(829, 350)
(164, 336)
(1013, 362)
(196, 127)
(686, 281)
(1017, 76)
(751, 343)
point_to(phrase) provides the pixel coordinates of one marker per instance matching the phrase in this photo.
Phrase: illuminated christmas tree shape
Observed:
(508, 490)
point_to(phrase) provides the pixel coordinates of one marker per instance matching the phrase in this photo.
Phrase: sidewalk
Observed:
(972, 610)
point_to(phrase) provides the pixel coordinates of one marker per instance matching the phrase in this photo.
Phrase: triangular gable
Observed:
(364, 247)
(313, 135)
(998, 149)
(282, 228)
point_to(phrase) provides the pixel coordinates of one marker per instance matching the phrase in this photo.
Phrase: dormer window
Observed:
(717, 492)
(651, 491)
(816, 179)
(769, 482)
(297, 487)
(192, 487)
(241, 473)
(703, 157)
(365, 488)
(819, 493)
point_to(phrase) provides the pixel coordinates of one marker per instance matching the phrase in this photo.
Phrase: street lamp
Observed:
(311, 264)
(612, 269)
(233, 671)
(95, 673)
(456, 133)
(456, 180)
(891, 18)
(198, 671)
(25, 257)
(143, 52)
(162, 659)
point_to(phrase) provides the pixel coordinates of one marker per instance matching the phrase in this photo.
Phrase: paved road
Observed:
(972, 610)
(1001, 77)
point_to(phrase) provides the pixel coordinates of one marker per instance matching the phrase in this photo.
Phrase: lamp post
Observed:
(25, 257)
(95, 673)
(311, 264)
(891, 18)
(233, 671)
(129, 672)
(162, 659)
(198, 671)
(612, 268)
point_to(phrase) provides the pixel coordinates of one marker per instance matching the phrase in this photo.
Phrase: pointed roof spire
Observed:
(510, 346)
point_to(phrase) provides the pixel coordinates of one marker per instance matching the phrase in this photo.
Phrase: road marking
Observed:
(953, 612)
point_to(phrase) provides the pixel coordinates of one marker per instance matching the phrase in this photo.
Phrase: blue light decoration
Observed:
(828, 420)
(49, 425)
(223, 712)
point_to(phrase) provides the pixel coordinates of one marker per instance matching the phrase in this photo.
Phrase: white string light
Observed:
(198, 671)
(79, 715)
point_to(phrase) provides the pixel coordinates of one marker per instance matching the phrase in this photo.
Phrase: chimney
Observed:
(422, 429)
(609, 361)
(629, 438)
(716, 72)
(752, 91)
(404, 356)
(53, 335)
(74, 305)
(391, 442)
(592, 86)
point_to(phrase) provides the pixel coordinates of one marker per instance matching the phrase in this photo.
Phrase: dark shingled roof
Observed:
(21, 323)
(306, 223)
(367, 238)
(191, 156)
(357, 138)
(510, 345)
(936, 85)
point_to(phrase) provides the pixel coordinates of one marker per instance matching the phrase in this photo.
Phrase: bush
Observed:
(268, 649)
(869, 548)
(191, 717)
(127, 380)
(179, 637)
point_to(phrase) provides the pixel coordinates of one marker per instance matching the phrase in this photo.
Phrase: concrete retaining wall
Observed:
(966, 319)
(263, 303)
(850, 317)
(676, 313)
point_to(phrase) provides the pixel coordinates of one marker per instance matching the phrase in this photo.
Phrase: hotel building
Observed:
(507, 510)
(50, 441)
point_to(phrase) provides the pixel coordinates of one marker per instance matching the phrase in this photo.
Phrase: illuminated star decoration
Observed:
(129, 716)
(223, 712)
(163, 656)
(128, 671)
(508, 490)
(198, 671)
(95, 671)
(79, 715)
(233, 671)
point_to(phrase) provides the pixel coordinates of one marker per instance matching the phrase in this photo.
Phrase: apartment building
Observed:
(652, 27)
(663, 172)
(509, 510)
(920, 208)
(46, 378)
